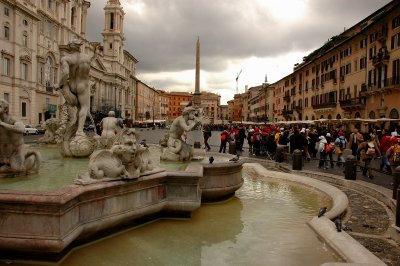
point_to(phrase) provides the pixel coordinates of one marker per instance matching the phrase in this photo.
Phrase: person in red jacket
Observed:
(385, 144)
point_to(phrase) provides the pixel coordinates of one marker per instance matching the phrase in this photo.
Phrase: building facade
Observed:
(31, 34)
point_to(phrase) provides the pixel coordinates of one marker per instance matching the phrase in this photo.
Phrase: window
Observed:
(363, 43)
(7, 97)
(395, 22)
(6, 32)
(396, 71)
(372, 37)
(24, 71)
(372, 52)
(6, 11)
(6, 66)
(110, 45)
(23, 109)
(73, 15)
(111, 21)
(50, 4)
(25, 22)
(395, 41)
(363, 63)
(25, 40)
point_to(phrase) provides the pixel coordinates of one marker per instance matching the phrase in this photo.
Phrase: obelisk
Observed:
(197, 94)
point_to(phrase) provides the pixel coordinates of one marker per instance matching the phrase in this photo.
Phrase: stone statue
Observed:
(14, 159)
(51, 126)
(124, 160)
(110, 126)
(74, 86)
(177, 149)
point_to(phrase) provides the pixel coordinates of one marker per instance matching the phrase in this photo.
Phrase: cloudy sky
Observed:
(259, 37)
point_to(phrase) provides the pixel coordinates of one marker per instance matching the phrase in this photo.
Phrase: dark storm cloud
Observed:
(163, 37)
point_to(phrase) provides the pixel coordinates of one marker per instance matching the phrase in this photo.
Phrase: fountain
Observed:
(121, 185)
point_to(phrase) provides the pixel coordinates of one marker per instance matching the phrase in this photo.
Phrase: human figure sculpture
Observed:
(13, 157)
(177, 149)
(74, 86)
(74, 82)
(110, 127)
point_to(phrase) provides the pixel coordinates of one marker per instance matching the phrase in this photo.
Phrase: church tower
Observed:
(113, 34)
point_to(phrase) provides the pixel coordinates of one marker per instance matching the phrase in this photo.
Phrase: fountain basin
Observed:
(47, 222)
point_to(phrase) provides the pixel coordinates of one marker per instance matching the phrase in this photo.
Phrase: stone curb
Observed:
(342, 243)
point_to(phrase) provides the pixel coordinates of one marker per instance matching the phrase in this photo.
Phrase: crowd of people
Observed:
(321, 143)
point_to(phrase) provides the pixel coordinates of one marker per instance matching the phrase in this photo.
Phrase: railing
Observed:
(353, 102)
(287, 112)
(384, 83)
(324, 105)
(286, 98)
(381, 57)
(50, 89)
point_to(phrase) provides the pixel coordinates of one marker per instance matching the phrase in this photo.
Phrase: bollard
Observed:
(297, 160)
(398, 210)
(279, 155)
(396, 181)
(232, 147)
(350, 168)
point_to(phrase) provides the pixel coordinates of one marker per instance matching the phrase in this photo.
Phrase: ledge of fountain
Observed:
(46, 223)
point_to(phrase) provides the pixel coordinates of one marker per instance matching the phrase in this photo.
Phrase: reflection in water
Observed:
(264, 224)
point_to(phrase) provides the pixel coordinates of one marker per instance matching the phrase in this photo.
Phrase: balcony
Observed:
(382, 36)
(298, 108)
(381, 58)
(353, 103)
(287, 112)
(386, 85)
(330, 104)
(286, 98)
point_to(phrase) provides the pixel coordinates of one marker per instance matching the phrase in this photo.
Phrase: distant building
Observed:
(210, 103)
(177, 101)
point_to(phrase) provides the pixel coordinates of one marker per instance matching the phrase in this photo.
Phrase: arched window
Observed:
(322, 117)
(394, 114)
(306, 117)
(371, 115)
(313, 118)
(338, 116)
(357, 115)
(329, 116)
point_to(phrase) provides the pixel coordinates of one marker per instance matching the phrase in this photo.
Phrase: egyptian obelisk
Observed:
(197, 94)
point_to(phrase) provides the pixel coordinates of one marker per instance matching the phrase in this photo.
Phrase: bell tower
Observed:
(113, 34)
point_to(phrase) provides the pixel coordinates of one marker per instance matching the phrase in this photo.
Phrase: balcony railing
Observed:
(286, 98)
(386, 83)
(287, 112)
(381, 58)
(353, 103)
(329, 104)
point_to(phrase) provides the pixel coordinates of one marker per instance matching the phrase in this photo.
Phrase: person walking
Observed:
(368, 150)
(322, 153)
(393, 153)
(340, 143)
(224, 140)
(207, 135)
(385, 144)
(354, 141)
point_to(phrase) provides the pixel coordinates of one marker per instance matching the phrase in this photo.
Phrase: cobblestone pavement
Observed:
(367, 218)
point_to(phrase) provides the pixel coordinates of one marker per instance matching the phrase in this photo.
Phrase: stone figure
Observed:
(177, 149)
(74, 86)
(124, 160)
(110, 127)
(107, 163)
(14, 158)
(51, 126)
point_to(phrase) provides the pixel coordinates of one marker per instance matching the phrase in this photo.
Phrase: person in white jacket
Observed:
(322, 153)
